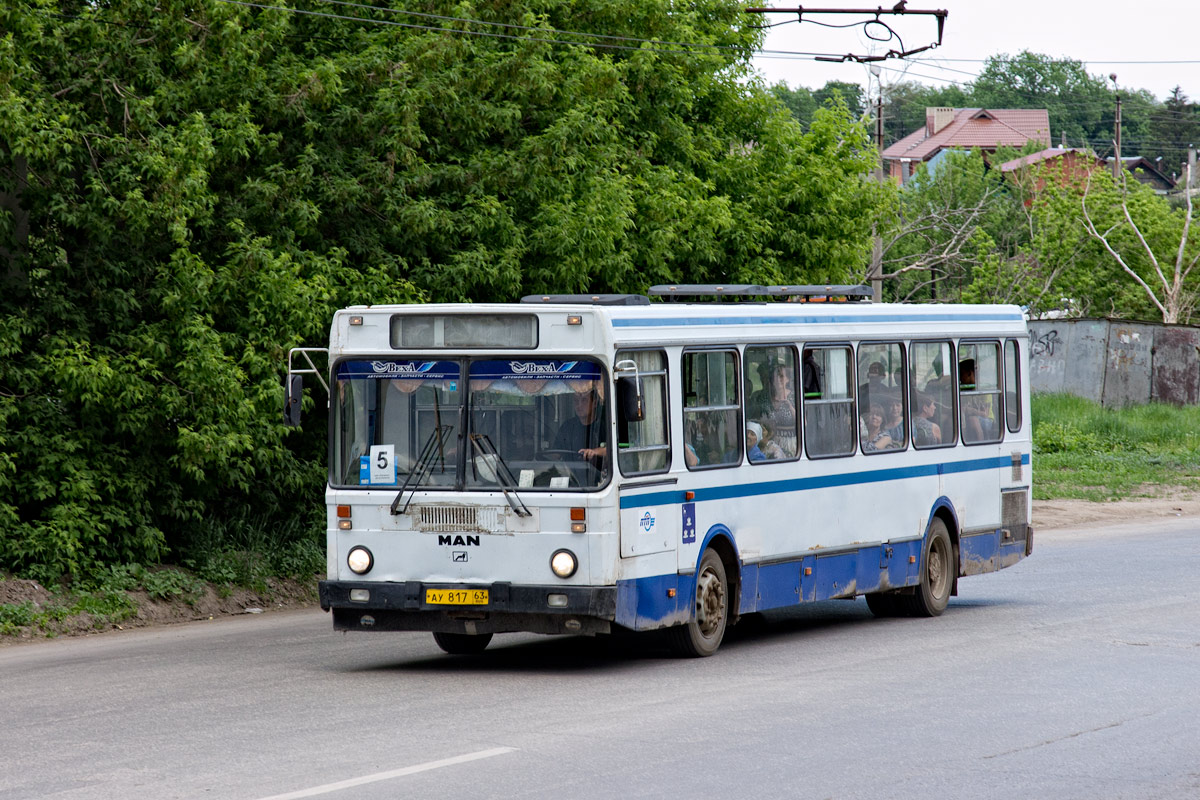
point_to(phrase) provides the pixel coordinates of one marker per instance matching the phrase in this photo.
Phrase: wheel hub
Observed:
(710, 603)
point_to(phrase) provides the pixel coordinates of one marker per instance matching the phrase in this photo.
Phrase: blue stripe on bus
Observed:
(676, 496)
(663, 322)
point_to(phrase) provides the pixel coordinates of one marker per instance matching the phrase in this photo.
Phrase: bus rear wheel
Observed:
(462, 644)
(702, 635)
(932, 595)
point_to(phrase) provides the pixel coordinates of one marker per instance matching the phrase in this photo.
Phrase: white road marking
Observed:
(395, 773)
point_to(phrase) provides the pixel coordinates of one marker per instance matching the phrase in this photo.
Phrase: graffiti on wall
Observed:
(1045, 344)
(1116, 363)
(1042, 358)
(1126, 348)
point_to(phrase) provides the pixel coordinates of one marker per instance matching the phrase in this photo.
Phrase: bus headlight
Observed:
(360, 560)
(563, 563)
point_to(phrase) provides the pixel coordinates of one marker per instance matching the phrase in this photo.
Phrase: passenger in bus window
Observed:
(979, 423)
(874, 384)
(977, 415)
(770, 448)
(753, 437)
(926, 432)
(780, 413)
(894, 423)
(810, 374)
(875, 437)
(760, 399)
(966, 374)
(694, 449)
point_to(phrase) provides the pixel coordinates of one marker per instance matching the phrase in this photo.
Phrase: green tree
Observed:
(955, 223)
(203, 183)
(1080, 105)
(799, 101)
(1174, 127)
(851, 93)
(1149, 240)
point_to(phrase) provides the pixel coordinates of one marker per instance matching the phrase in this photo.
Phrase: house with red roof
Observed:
(1067, 166)
(964, 129)
(1071, 166)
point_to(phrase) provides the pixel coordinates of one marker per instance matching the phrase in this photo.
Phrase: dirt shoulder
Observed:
(283, 595)
(33, 598)
(1049, 514)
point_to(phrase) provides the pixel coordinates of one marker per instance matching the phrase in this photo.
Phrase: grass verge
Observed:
(1082, 450)
(218, 581)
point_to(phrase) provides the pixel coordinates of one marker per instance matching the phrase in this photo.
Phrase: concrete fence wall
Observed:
(1116, 363)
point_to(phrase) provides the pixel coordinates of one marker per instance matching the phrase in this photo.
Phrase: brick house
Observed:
(1065, 165)
(1072, 165)
(963, 129)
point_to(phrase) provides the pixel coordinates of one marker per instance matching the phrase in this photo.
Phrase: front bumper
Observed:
(402, 607)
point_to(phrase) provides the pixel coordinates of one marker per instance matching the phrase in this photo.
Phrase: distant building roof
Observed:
(1150, 171)
(1040, 156)
(972, 127)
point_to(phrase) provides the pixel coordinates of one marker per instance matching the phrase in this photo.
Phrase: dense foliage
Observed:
(190, 187)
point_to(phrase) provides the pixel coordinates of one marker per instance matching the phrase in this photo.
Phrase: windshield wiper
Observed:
(504, 476)
(422, 467)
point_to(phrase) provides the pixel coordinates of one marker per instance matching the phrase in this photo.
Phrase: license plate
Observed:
(456, 597)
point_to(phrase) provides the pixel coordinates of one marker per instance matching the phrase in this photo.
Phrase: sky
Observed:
(1100, 33)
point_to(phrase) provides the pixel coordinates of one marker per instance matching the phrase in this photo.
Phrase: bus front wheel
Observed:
(702, 635)
(462, 644)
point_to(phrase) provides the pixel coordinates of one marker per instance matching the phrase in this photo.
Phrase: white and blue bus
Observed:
(575, 464)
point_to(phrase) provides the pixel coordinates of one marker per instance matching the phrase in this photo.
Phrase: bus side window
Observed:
(770, 391)
(882, 410)
(712, 435)
(931, 383)
(829, 420)
(979, 392)
(1012, 385)
(644, 447)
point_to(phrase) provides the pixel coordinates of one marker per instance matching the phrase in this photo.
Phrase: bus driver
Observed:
(586, 432)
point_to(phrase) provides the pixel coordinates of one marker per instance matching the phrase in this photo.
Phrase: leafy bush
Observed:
(1058, 437)
(204, 183)
(14, 616)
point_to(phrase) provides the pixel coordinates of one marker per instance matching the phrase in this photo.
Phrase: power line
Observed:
(1079, 60)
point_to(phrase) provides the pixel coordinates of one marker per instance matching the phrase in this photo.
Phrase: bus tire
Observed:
(462, 644)
(702, 634)
(937, 574)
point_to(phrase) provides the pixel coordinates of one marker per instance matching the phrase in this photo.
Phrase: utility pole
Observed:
(876, 273)
(1117, 141)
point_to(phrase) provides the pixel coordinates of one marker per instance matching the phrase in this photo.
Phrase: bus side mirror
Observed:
(629, 393)
(294, 389)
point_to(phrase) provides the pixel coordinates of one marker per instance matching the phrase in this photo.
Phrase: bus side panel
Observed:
(654, 602)
(977, 552)
(649, 529)
(777, 586)
(989, 551)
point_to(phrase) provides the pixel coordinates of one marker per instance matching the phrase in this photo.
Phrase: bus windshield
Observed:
(511, 424)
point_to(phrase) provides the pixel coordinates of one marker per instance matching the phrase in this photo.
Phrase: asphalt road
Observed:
(1075, 674)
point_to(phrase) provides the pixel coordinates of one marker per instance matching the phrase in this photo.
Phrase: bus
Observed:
(582, 464)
